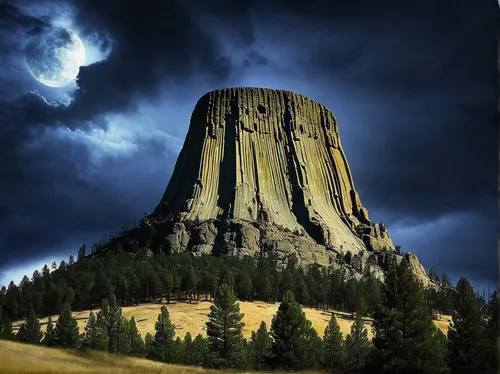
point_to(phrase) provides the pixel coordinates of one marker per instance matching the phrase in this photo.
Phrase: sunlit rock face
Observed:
(264, 169)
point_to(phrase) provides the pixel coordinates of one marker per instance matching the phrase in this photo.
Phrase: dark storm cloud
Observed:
(413, 85)
(48, 177)
(13, 24)
(151, 40)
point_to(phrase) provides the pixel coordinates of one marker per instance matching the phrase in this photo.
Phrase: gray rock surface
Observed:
(264, 170)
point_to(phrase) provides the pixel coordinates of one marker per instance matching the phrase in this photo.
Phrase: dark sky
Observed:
(413, 84)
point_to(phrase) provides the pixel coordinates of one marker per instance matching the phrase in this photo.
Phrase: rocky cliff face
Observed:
(264, 169)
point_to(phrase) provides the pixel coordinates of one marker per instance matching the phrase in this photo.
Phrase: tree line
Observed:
(405, 338)
(140, 277)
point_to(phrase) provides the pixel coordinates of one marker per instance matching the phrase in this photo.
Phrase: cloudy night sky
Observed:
(413, 85)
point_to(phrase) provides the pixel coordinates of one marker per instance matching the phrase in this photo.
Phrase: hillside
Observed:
(192, 317)
(23, 358)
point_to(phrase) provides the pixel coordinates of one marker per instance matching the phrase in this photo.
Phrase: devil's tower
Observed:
(263, 170)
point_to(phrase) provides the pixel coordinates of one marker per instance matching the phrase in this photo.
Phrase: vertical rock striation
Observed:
(265, 169)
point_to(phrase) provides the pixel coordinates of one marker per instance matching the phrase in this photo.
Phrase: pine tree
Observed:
(492, 343)
(66, 331)
(199, 351)
(178, 353)
(351, 295)
(101, 331)
(49, 338)
(149, 346)
(137, 347)
(21, 333)
(467, 333)
(168, 284)
(227, 278)
(224, 329)
(260, 347)
(79, 341)
(5, 326)
(111, 314)
(93, 336)
(241, 358)
(32, 328)
(315, 352)
(445, 295)
(188, 349)
(244, 285)
(82, 252)
(442, 342)
(405, 340)
(123, 336)
(264, 288)
(357, 345)
(302, 291)
(334, 347)
(290, 330)
(164, 337)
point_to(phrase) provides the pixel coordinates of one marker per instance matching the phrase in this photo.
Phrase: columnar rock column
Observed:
(263, 158)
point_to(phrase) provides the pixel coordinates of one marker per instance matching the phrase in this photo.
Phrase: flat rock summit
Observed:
(264, 170)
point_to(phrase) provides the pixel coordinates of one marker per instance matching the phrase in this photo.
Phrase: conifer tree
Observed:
(372, 294)
(32, 328)
(111, 314)
(242, 359)
(188, 349)
(168, 284)
(244, 285)
(467, 332)
(101, 330)
(302, 291)
(357, 345)
(94, 337)
(442, 342)
(290, 330)
(66, 331)
(178, 353)
(315, 352)
(260, 347)
(164, 337)
(445, 295)
(21, 333)
(137, 347)
(334, 347)
(123, 336)
(199, 351)
(49, 339)
(224, 329)
(264, 288)
(405, 340)
(5, 326)
(351, 295)
(493, 336)
(149, 346)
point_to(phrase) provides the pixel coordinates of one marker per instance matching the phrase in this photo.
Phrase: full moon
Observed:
(54, 56)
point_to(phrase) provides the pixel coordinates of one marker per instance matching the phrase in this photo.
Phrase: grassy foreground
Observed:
(192, 317)
(18, 358)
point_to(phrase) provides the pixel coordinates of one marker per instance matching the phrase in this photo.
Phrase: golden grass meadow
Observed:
(192, 317)
(17, 358)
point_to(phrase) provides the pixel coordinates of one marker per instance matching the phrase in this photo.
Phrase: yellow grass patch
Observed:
(192, 317)
(17, 358)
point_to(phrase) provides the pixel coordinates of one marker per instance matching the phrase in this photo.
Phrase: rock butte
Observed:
(264, 170)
